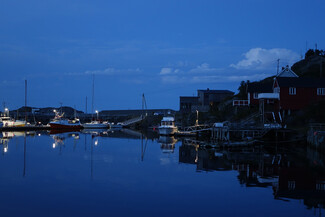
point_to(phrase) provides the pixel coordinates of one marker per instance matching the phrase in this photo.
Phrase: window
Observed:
(320, 186)
(276, 90)
(292, 91)
(255, 95)
(291, 185)
(320, 91)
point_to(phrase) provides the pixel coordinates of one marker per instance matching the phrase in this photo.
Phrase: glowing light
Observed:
(54, 110)
(96, 142)
(6, 109)
(53, 145)
(5, 149)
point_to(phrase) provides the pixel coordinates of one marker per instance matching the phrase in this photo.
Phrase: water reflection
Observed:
(291, 174)
(167, 143)
(111, 158)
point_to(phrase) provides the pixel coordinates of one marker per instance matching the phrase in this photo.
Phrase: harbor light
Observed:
(97, 113)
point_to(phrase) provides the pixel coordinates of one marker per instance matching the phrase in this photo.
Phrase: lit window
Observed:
(292, 91)
(320, 91)
(255, 95)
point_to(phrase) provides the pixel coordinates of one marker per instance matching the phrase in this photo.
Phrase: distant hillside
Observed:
(310, 66)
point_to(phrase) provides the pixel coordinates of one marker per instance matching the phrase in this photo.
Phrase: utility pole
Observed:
(277, 69)
(92, 98)
(321, 66)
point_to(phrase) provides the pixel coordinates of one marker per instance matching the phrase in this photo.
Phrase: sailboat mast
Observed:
(92, 98)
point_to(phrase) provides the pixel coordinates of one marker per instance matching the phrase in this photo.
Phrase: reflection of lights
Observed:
(53, 145)
(39, 134)
(5, 149)
(96, 142)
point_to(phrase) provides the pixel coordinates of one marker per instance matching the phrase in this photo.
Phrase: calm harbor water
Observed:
(124, 173)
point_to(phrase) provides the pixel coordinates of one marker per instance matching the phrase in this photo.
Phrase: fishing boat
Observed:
(62, 123)
(167, 126)
(10, 122)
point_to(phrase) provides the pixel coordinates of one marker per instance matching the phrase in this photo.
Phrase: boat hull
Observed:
(63, 126)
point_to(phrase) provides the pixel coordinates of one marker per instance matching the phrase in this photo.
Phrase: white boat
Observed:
(167, 126)
(9, 122)
(95, 125)
(116, 126)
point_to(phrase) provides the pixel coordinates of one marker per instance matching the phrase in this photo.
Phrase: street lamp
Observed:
(7, 111)
(97, 113)
(197, 118)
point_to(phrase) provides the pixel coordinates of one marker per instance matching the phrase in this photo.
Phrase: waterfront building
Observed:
(204, 100)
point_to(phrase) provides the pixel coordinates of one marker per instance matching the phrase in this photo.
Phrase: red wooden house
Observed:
(296, 92)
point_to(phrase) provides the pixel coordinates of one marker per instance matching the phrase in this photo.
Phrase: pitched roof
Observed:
(260, 87)
(301, 82)
(287, 72)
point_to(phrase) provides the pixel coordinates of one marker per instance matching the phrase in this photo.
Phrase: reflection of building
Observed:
(302, 183)
(204, 100)
(205, 160)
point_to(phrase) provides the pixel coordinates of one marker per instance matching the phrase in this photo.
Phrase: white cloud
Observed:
(259, 58)
(204, 68)
(113, 71)
(168, 71)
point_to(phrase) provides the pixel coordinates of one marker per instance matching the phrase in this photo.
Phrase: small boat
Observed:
(62, 123)
(116, 126)
(95, 125)
(9, 122)
(167, 126)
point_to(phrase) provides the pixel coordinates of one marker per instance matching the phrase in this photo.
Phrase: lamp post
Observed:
(97, 113)
(197, 118)
(7, 112)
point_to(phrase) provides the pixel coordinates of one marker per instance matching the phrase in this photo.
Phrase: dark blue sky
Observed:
(163, 49)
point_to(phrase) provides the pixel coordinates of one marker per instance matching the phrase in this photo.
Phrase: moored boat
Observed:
(167, 126)
(9, 122)
(95, 125)
(62, 123)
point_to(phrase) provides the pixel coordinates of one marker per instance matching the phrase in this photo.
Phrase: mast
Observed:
(92, 98)
(26, 100)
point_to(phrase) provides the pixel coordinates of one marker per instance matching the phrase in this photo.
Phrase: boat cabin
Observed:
(168, 121)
